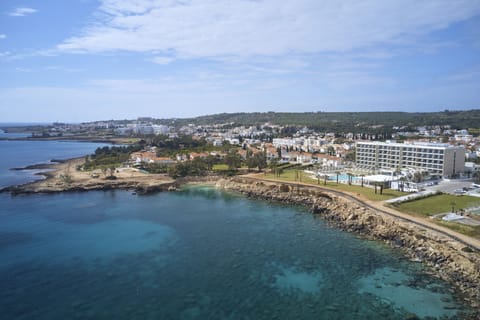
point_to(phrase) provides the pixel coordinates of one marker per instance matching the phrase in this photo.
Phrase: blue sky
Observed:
(82, 60)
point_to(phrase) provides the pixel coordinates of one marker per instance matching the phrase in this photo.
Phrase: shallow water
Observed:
(197, 254)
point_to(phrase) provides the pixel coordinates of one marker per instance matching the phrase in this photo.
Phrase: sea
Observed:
(19, 154)
(199, 253)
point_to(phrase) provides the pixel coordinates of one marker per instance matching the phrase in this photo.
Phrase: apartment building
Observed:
(438, 159)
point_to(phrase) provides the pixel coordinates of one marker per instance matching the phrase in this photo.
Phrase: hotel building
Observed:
(438, 159)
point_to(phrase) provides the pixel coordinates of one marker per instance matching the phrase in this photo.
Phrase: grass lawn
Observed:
(472, 231)
(369, 193)
(440, 204)
(437, 204)
(219, 167)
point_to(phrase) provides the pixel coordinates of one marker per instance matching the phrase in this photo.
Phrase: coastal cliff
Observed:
(448, 259)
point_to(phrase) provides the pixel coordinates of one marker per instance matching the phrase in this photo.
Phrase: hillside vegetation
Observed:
(340, 121)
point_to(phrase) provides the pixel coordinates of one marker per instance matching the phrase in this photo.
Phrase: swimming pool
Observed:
(342, 177)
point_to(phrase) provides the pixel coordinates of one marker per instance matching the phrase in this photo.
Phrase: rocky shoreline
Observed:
(63, 176)
(447, 259)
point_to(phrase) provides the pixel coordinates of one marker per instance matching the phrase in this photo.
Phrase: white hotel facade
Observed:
(438, 159)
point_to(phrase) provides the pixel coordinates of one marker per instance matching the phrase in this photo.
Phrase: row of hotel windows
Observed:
(398, 161)
(403, 163)
(394, 156)
(402, 152)
(431, 168)
(398, 149)
(403, 159)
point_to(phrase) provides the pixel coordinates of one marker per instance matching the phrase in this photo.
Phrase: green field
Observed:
(437, 204)
(219, 167)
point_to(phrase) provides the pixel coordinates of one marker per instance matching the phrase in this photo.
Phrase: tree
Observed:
(260, 160)
(402, 183)
(350, 156)
(337, 173)
(66, 179)
(453, 204)
(112, 170)
(273, 164)
(210, 161)
(250, 161)
(233, 160)
(331, 151)
(476, 176)
(350, 176)
(417, 176)
(279, 152)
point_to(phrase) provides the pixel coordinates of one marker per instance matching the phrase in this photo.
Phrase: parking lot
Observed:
(455, 187)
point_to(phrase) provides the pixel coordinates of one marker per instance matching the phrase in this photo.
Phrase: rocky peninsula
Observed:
(64, 176)
(448, 259)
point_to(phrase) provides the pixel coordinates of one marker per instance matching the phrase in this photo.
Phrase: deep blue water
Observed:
(194, 254)
(197, 254)
(15, 154)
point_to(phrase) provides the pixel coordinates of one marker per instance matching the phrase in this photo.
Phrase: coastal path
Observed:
(379, 207)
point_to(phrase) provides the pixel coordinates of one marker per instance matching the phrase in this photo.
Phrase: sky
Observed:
(85, 60)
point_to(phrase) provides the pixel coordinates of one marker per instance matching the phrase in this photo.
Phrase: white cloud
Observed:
(23, 69)
(225, 28)
(469, 74)
(2, 36)
(162, 60)
(22, 11)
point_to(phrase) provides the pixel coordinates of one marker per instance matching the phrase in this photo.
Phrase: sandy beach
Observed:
(65, 176)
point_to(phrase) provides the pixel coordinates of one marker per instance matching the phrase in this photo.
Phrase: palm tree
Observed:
(350, 176)
(476, 175)
(402, 183)
(453, 204)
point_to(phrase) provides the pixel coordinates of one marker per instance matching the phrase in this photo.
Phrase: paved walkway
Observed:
(379, 207)
(411, 196)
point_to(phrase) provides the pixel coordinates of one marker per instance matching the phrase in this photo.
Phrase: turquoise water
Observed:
(342, 177)
(198, 254)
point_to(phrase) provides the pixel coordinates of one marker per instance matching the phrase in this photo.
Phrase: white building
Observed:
(287, 142)
(437, 159)
(471, 167)
(160, 129)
